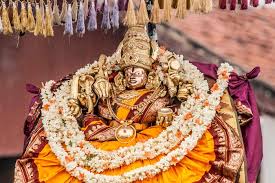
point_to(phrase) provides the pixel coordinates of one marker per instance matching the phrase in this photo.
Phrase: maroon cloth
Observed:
(34, 112)
(240, 90)
(268, 1)
(34, 90)
(222, 4)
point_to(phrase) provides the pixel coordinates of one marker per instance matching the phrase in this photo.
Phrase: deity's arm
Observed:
(87, 89)
(175, 80)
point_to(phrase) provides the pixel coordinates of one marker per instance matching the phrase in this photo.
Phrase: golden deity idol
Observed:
(128, 100)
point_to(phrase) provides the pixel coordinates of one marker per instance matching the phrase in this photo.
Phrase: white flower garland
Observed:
(62, 128)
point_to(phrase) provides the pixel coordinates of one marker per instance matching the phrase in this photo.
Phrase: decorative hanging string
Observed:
(74, 10)
(56, 15)
(92, 23)
(15, 17)
(106, 24)
(195, 6)
(23, 16)
(167, 10)
(142, 15)
(80, 26)
(40, 21)
(99, 4)
(38, 30)
(115, 16)
(7, 29)
(63, 13)
(68, 22)
(155, 15)
(181, 8)
(1, 25)
(86, 8)
(49, 3)
(206, 6)
(244, 4)
(48, 23)
(255, 3)
(130, 17)
(222, 4)
(31, 21)
(41, 4)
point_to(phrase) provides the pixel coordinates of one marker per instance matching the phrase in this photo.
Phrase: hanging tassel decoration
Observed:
(233, 4)
(115, 16)
(255, 3)
(92, 23)
(48, 23)
(1, 25)
(56, 16)
(99, 4)
(64, 10)
(155, 16)
(42, 8)
(23, 16)
(167, 10)
(195, 6)
(106, 24)
(130, 17)
(222, 4)
(181, 8)
(49, 3)
(15, 17)
(31, 21)
(74, 10)
(38, 30)
(80, 25)
(86, 8)
(244, 4)
(142, 16)
(206, 6)
(69, 22)
(7, 29)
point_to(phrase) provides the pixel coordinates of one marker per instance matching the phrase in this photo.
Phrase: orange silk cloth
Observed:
(190, 169)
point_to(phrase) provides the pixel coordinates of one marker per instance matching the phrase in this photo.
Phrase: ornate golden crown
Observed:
(136, 49)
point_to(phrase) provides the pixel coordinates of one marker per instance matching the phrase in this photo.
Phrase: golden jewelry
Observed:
(165, 117)
(136, 49)
(154, 96)
(126, 132)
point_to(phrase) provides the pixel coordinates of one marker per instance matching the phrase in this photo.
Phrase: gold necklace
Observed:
(149, 99)
(126, 132)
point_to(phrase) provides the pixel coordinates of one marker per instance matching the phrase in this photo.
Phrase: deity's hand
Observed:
(102, 88)
(165, 117)
(185, 89)
(74, 107)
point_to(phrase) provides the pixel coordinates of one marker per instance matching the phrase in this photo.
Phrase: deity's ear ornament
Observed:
(119, 83)
(153, 81)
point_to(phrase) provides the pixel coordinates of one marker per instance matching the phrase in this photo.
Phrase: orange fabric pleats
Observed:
(189, 170)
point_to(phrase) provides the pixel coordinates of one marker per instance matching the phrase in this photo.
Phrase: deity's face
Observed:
(136, 77)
